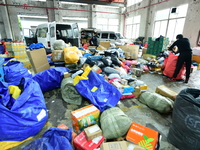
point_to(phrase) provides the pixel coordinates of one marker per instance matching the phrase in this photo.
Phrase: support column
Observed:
(58, 13)
(90, 16)
(6, 21)
(50, 12)
(12, 15)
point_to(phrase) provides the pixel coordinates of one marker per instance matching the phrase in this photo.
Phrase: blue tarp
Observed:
(100, 93)
(14, 71)
(51, 78)
(52, 139)
(26, 116)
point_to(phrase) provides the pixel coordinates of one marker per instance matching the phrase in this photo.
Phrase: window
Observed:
(42, 32)
(52, 34)
(108, 24)
(112, 36)
(76, 32)
(132, 2)
(170, 24)
(133, 27)
(104, 36)
(63, 33)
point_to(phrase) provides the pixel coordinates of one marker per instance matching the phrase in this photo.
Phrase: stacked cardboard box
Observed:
(155, 47)
(18, 50)
(85, 117)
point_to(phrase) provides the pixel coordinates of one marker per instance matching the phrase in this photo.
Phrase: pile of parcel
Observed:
(104, 77)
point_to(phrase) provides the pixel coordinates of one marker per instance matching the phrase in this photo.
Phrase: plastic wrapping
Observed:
(157, 102)
(59, 45)
(184, 132)
(114, 123)
(69, 92)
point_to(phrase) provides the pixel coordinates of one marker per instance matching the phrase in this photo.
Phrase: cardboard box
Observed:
(93, 132)
(85, 117)
(124, 82)
(137, 91)
(57, 55)
(143, 136)
(148, 57)
(196, 58)
(127, 55)
(67, 74)
(96, 69)
(167, 92)
(118, 86)
(132, 146)
(132, 49)
(144, 51)
(81, 143)
(105, 44)
(38, 59)
(121, 145)
(193, 69)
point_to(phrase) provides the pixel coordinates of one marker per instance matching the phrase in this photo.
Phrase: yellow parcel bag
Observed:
(71, 55)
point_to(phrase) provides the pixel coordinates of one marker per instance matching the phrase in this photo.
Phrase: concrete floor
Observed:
(59, 111)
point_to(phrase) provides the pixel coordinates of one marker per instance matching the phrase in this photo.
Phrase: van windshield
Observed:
(120, 36)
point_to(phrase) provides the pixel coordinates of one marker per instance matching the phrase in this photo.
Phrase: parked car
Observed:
(112, 37)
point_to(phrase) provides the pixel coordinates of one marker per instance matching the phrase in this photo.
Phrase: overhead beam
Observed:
(96, 2)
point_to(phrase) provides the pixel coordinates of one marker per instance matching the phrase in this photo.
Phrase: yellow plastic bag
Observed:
(71, 55)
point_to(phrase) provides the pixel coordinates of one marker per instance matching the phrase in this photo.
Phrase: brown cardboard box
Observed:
(121, 145)
(57, 55)
(137, 92)
(132, 146)
(124, 82)
(167, 92)
(38, 59)
(105, 44)
(193, 69)
(118, 86)
(144, 51)
(196, 58)
(127, 55)
(133, 49)
(148, 57)
(92, 47)
(93, 132)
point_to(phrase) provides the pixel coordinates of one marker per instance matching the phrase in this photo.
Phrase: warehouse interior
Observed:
(133, 19)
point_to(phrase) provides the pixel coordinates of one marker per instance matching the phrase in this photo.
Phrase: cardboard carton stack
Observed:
(18, 50)
(157, 46)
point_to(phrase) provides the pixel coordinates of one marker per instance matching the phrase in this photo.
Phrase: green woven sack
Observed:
(69, 92)
(157, 102)
(114, 123)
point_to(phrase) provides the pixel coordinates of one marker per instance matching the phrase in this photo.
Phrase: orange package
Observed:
(84, 117)
(64, 127)
(143, 136)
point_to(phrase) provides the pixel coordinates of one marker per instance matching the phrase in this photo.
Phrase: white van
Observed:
(112, 37)
(47, 33)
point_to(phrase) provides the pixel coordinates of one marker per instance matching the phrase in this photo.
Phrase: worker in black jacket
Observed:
(185, 56)
(94, 41)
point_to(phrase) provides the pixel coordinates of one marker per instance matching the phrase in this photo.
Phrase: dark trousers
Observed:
(184, 57)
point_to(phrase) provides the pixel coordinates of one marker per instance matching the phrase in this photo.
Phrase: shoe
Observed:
(172, 79)
(186, 81)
